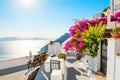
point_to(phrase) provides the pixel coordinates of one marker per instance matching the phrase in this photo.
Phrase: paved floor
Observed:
(14, 76)
(76, 64)
(16, 73)
(100, 77)
(73, 72)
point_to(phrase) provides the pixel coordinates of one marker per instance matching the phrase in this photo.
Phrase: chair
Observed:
(35, 62)
(43, 57)
(33, 74)
(54, 64)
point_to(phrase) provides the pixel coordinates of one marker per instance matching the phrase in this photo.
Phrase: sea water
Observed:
(20, 48)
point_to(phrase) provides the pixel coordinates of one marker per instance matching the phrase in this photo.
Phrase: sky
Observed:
(44, 18)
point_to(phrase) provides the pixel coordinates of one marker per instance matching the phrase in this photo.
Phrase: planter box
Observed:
(115, 35)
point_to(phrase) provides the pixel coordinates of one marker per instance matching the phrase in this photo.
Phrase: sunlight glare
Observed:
(26, 3)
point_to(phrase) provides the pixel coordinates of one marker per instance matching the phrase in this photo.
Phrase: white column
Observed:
(117, 68)
(112, 49)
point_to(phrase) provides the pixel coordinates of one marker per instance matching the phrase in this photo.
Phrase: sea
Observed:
(20, 48)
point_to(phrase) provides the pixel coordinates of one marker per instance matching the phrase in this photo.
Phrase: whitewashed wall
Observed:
(113, 61)
(94, 63)
(117, 68)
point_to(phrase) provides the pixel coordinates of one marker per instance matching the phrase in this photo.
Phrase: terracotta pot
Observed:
(115, 35)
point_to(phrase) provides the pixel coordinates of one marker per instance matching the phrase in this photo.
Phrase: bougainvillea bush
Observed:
(86, 36)
(92, 38)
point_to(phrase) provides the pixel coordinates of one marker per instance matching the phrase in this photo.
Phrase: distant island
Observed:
(16, 38)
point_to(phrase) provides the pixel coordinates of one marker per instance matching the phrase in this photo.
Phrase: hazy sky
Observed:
(44, 18)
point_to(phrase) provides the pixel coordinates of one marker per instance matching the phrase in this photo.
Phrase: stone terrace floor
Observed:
(73, 72)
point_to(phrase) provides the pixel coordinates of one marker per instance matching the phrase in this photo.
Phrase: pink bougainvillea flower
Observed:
(118, 20)
(71, 33)
(93, 22)
(113, 18)
(76, 26)
(117, 14)
(83, 25)
(104, 20)
(79, 39)
(76, 48)
(68, 45)
(71, 30)
(86, 21)
(81, 45)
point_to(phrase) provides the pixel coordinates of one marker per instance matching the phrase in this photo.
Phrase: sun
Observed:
(26, 3)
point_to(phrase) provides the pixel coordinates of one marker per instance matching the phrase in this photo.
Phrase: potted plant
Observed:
(62, 56)
(116, 32)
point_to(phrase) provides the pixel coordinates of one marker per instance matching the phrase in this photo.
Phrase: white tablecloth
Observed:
(56, 75)
(62, 65)
(47, 64)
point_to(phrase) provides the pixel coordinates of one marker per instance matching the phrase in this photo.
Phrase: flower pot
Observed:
(115, 35)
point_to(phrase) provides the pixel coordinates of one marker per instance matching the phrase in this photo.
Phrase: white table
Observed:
(56, 75)
(62, 65)
(47, 64)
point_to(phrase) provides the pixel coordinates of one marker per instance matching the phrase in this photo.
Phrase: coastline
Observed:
(14, 62)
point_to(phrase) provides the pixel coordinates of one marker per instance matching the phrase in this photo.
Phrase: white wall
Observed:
(117, 68)
(94, 63)
(113, 63)
(110, 59)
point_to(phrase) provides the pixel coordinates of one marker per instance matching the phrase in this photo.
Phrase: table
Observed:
(63, 67)
(47, 64)
(56, 75)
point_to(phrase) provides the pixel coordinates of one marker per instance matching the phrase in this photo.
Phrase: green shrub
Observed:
(62, 56)
(116, 29)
